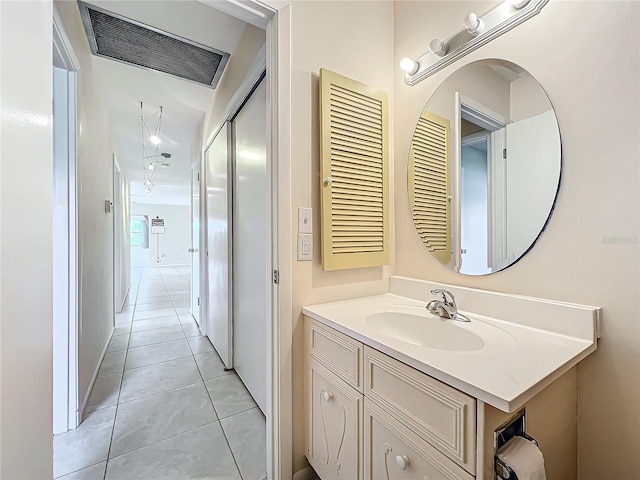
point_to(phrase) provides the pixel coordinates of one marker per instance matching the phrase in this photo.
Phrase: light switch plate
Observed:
(305, 246)
(305, 220)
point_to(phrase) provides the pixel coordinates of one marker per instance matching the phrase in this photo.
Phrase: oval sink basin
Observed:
(425, 331)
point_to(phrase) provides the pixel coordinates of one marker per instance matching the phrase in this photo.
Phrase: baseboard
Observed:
(304, 474)
(124, 299)
(95, 376)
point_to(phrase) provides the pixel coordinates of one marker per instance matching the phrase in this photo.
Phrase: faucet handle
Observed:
(445, 293)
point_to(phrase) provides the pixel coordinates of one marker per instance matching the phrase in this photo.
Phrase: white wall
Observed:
(589, 251)
(355, 39)
(95, 227)
(240, 62)
(26, 241)
(176, 241)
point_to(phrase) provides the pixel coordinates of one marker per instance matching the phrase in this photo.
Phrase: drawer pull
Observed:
(402, 461)
(327, 396)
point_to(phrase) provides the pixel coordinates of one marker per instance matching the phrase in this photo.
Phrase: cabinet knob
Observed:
(326, 396)
(402, 461)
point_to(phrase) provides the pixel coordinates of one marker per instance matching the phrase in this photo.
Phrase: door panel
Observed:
(530, 165)
(334, 441)
(393, 451)
(217, 171)
(251, 252)
(195, 242)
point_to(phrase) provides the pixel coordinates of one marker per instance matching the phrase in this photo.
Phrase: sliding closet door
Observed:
(251, 251)
(218, 185)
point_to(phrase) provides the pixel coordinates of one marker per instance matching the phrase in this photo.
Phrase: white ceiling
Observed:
(184, 103)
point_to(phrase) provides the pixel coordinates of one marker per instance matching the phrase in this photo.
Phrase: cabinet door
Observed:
(392, 451)
(334, 435)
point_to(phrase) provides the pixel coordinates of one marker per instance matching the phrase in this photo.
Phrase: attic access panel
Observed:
(124, 40)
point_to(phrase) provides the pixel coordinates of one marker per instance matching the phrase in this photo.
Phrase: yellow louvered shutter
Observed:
(429, 184)
(354, 154)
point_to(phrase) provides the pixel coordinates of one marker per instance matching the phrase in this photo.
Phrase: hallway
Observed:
(162, 405)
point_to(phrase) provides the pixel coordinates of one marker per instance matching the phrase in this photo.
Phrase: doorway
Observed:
(65, 239)
(474, 211)
(481, 176)
(118, 294)
(195, 242)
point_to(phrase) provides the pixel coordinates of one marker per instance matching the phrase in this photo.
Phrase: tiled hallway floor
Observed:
(162, 405)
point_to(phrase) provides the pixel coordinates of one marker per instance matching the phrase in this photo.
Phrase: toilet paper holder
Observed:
(515, 426)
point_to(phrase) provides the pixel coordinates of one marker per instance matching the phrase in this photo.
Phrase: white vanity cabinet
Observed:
(370, 416)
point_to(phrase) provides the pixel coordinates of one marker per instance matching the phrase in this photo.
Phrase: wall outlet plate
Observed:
(305, 246)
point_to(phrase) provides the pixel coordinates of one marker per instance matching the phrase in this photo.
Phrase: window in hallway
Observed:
(138, 232)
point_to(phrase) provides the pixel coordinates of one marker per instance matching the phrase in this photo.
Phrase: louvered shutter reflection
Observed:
(429, 184)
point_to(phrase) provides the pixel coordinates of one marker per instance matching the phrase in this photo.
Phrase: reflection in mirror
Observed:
(484, 167)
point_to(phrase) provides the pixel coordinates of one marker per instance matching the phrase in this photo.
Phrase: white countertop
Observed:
(516, 361)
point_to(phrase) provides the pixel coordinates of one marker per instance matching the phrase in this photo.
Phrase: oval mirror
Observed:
(484, 167)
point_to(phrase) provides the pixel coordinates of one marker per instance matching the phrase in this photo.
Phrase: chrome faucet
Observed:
(445, 308)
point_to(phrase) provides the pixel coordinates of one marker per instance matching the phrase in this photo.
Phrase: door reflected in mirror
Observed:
(484, 167)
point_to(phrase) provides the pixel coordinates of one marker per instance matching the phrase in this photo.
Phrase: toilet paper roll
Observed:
(524, 458)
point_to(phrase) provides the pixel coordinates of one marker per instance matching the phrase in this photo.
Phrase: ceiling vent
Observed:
(127, 41)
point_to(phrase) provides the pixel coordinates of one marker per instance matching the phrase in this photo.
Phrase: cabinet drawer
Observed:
(442, 415)
(392, 451)
(341, 354)
(334, 428)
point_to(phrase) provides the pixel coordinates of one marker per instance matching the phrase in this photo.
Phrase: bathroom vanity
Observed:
(394, 392)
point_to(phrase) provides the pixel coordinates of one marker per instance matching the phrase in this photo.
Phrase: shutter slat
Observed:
(356, 97)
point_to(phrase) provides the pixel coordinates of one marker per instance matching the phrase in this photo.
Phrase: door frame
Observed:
(275, 17)
(65, 363)
(195, 168)
(472, 110)
(116, 210)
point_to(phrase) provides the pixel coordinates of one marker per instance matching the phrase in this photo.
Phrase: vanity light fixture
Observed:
(478, 30)
(438, 47)
(473, 24)
(409, 66)
(519, 3)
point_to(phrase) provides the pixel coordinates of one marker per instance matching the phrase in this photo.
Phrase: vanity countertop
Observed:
(513, 363)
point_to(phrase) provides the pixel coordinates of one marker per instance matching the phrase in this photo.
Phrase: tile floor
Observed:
(162, 405)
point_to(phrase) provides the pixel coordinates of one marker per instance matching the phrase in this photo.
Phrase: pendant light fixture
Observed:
(150, 161)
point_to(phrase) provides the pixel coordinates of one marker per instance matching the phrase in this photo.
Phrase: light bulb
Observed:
(151, 166)
(473, 24)
(409, 66)
(148, 182)
(154, 139)
(519, 3)
(438, 47)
